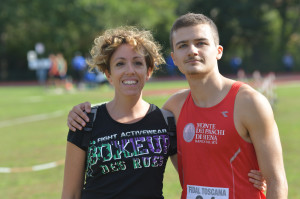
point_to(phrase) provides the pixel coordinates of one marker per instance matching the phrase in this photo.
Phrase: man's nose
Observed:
(192, 50)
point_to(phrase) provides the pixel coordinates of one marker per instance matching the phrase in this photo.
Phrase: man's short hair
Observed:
(193, 19)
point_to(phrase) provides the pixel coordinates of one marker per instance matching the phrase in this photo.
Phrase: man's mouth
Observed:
(192, 60)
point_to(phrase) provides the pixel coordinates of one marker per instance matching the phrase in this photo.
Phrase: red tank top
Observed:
(213, 160)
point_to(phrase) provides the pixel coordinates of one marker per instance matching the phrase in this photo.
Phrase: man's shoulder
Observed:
(247, 93)
(183, 93)
(250, 100)
(179, 96)
(176, 101)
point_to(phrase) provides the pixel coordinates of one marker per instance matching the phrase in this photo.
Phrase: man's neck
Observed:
(209, 90)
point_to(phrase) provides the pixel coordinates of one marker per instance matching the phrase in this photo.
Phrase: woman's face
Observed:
(128, 71)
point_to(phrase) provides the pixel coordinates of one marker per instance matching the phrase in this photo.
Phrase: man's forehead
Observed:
(192, 32)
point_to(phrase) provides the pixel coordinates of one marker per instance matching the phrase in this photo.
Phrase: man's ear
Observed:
(174, 61)
(220, 52)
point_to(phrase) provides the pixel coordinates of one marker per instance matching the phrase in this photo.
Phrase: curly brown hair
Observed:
(107, 43)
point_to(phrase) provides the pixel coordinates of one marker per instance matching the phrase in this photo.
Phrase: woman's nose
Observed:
(130, 68)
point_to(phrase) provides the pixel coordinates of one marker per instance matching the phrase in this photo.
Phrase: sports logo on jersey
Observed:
(189, 132)
(224, 113)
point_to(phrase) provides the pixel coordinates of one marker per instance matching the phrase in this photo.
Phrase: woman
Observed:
(130, 145)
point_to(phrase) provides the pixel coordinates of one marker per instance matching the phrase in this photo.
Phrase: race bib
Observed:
(200, 192)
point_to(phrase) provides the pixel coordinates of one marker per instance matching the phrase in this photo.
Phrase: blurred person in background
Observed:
(62, 67)
(288, 62)
(53, 72)
(236, 64)
(171, 68)
(79, 66)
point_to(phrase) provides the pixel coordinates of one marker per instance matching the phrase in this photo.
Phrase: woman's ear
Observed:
(108, 76)
(149, 73)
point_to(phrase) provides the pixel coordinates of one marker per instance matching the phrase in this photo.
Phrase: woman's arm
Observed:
(74, 172)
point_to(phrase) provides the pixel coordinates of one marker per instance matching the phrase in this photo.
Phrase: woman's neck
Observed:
(127, 110)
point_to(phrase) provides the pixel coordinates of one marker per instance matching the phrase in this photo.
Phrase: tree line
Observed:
(260, 32)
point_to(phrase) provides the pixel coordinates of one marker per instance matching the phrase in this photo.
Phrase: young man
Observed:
(224, 128)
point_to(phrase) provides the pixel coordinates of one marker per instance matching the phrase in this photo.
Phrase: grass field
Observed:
(33, 131)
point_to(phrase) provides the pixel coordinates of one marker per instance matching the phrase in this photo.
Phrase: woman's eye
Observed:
(120, 64)
(138, 63)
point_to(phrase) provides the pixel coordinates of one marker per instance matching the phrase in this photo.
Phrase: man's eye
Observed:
(200, 43)
(182, 45)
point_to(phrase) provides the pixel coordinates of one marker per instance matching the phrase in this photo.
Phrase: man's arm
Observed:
(77, 118)
(174, 161)
(257, 179)
(175, 102)
(74, 172)
(257, 117)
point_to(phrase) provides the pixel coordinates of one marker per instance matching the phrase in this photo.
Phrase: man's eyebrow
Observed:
(201, 39)
(181, 42)
(186, 41)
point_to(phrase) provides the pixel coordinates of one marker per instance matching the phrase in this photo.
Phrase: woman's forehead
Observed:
(127, 51)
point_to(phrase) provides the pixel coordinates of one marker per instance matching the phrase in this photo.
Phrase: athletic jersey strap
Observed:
(88, 129)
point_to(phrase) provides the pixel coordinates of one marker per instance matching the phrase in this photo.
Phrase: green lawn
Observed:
(33, 131)
(287, 116)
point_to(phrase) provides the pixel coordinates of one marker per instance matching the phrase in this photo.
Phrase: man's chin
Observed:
(194, 72)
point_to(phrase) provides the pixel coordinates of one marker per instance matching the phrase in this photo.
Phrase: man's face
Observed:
(195, 51)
